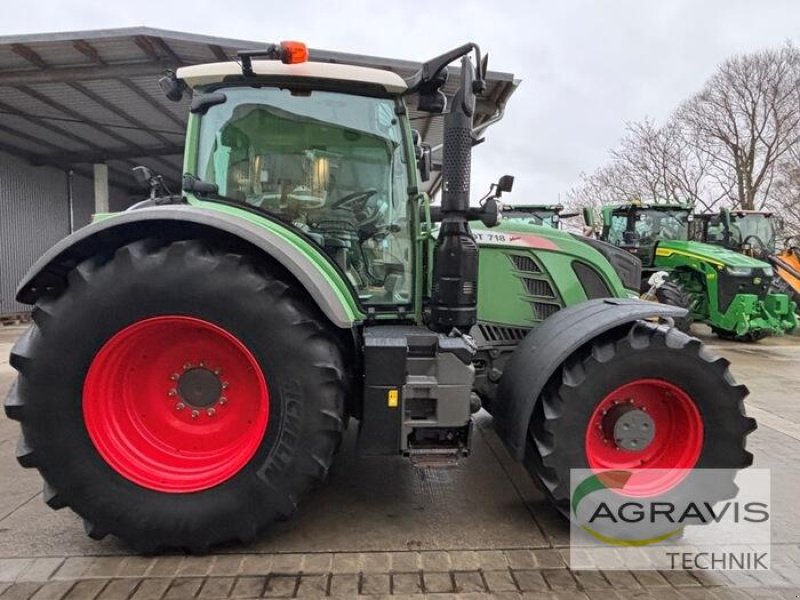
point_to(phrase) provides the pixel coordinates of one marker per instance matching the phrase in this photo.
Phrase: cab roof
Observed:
(199, 75)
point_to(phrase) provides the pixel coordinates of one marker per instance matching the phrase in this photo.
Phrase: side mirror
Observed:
(172, 87)
(142, 175)
(725, 217)
(588, 216)
(505, 184)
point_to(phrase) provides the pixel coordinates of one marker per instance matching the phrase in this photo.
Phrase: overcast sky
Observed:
(586, 66)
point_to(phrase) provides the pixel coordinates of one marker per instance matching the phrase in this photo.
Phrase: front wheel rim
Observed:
(175, 404)
(649, 427)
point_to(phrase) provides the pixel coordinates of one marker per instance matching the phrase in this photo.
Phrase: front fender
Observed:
(308, 265)
(546, 347)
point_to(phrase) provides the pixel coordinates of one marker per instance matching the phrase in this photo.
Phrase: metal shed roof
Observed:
(73, 98)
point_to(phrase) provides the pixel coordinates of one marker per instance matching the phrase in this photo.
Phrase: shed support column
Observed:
(100, 187)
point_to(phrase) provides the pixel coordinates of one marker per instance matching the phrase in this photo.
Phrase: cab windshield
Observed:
(650, 225)
(753, 229)
(330, 164)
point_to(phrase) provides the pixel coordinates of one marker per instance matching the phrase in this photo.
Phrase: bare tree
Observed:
(746, 119)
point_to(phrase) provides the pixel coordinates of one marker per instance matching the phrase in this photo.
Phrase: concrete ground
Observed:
(382, 528)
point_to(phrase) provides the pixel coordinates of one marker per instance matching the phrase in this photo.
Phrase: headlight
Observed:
(739, 271)
(768, 272)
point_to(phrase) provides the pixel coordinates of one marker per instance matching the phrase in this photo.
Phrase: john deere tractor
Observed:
(727, 290)
(757, 234)
(193, 362)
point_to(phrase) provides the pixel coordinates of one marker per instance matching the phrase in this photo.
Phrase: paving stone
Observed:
(184, 587)
(591, 580)
(530, 580)
(671, 594)
(406, 583)
(216, 587)
(151, 589)
(256, 564)
(435, 561)
(468, 581)
(404, 561)
(499, 581)
(346, 562)
(622, 580)
(52, 590)
(195, 566)
(317, 562)
(280, 586)
(491, 560)
(680, 578)
(520, 559)
(375, 562)
(87, 589)
(313, 586)
(464, 560)
(118, 589)
(73, 568)
(226, 564)
(559, 579)
(104, 566)
(287, 563)
(375, 583)
(249, 587)
(10, 568)
(650, 579)
(344, 585)
(20, 591)
(40, 569)
(134, 566)
(436, 583)
(549, 559)
(165, 566)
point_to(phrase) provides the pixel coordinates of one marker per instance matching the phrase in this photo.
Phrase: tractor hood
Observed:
(709, 253)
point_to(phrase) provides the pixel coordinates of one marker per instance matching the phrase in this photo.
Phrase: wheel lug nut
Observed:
(223, 400)
(211, 412)
(195, 414)
(217, 371)
(202, 363)
(225, 385)
(180, 406)
(187, 366)
(174, 377)
(173, 392)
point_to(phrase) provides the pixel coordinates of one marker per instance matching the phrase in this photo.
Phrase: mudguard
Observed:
(546, 347)
(126, 227)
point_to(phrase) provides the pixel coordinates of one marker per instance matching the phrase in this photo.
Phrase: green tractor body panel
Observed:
(730, 291)
(529, 272)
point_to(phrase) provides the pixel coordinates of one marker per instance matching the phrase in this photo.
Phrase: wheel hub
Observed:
(630, 427)
(199, 387)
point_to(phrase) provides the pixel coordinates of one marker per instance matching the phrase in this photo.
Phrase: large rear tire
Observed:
(689, 393)
(177, 396)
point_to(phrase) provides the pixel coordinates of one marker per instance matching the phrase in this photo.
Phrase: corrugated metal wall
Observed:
(34, 214)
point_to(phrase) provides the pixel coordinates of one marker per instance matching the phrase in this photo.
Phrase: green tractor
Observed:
(193, 362)
(547, 215)
(727, 290)
(750, 232)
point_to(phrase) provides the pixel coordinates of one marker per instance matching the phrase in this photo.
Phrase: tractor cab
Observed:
(750, 232)
(545, 215)
(638, 228)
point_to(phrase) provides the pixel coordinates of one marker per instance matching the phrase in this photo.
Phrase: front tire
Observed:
(689, 393)
(177, 396)
(673, 294)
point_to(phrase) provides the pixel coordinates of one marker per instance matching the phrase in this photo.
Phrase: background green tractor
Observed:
(757, 234)
(728, 290)
(547, 215)
(193, 362)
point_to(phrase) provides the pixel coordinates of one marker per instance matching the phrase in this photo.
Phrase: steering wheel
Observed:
(760, 246)
(349, 199)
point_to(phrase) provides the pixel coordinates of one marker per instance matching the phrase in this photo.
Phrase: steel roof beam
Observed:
(82, 73)
(152, 102)
(94, 156)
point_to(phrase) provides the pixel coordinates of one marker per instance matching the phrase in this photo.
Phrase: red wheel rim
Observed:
(673, 449)
(175, 404)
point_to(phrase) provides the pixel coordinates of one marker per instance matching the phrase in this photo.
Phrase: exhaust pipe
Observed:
(455, 273)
